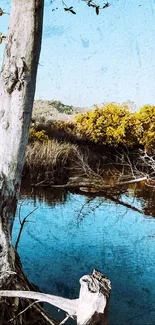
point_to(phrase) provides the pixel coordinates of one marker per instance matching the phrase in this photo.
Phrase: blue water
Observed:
(66, 240)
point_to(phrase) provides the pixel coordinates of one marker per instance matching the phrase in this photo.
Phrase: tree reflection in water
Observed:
(119, 196)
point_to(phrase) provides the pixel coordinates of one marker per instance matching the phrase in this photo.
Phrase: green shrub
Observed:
(62, 108)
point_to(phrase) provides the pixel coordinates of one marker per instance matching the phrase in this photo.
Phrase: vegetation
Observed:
(45, 110)
(146, 117)
(37, 135)
(53, 156)
(17, 95)
(114, 125)
(111, 125)
(48, 161)
(51, 152)
(62, 108)
(59, 150)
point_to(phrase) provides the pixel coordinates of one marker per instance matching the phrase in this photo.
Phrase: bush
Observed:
(110, 125)
(62, 108)
(37, 135)
(146, 117)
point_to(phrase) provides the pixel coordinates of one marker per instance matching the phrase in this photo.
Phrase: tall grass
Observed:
(52, 162)
(48, 161)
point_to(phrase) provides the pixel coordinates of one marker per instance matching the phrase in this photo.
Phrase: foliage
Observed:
(90, 3)
(146, 117)
(2, 12)
(110, 125)
(62, 108)
(60, 130)
(69, 9)
(37, 135)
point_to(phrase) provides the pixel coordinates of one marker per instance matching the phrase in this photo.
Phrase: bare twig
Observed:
(65, 319)
(22, 225)
(23, 311)
(44, 315)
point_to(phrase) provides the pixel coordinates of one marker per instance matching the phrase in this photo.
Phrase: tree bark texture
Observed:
(17, 88)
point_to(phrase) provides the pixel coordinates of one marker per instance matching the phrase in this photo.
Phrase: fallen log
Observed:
(90, 185)
(89, 308)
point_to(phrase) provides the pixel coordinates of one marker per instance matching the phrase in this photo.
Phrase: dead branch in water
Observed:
(85, 184)
(22, 223)
(91, 306)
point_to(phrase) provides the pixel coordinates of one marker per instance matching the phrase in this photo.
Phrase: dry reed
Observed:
(48, 161)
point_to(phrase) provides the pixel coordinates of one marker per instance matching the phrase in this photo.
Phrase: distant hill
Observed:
(44, 110)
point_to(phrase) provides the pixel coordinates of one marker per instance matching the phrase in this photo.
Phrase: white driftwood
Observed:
(68, 305)
(98, 186)
(93, 298)
(89, 308)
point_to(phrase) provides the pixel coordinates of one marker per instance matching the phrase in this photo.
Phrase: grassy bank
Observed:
(101, 143)
(51, 163)
(47, 161)
(111, 125)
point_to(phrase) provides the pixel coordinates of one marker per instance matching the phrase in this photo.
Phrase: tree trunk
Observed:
(17, 88)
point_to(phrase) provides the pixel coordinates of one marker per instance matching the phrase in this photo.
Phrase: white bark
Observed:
(94, 294)
(17, 85)
(70, 306)
(89, 308)
(17, 88)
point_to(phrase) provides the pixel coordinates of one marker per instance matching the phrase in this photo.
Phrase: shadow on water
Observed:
(56, 195)
(72, 233)
(147, 196)
(44, 194)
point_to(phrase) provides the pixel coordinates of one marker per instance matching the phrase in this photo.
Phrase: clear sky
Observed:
(88, 59)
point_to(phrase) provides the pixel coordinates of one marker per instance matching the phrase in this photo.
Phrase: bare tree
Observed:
(17, 88)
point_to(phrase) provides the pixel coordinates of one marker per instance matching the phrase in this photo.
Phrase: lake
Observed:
(71, 234)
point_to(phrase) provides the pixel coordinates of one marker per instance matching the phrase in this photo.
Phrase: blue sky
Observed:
(88, 59)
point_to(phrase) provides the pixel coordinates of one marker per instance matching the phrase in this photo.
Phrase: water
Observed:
(69, 237)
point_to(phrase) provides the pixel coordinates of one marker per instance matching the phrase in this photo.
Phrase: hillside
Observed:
(44, 110)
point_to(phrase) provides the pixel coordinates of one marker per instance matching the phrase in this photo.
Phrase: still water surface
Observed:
(70, 236)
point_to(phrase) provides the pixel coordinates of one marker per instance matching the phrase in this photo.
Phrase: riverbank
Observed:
(97, 148)
(92, 168)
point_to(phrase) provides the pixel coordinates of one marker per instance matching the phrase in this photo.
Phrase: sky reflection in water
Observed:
(66, 241)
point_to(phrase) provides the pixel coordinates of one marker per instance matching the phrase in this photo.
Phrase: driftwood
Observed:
(94, 185)
(89, 308)
(93, 299)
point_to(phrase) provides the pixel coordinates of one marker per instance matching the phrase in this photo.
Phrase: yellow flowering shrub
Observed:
(146, 117)
(37, 135)
(111, 125)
